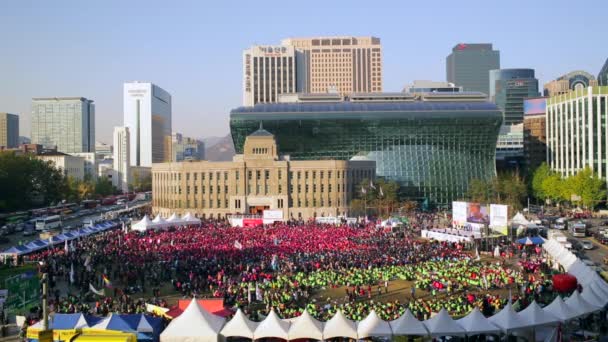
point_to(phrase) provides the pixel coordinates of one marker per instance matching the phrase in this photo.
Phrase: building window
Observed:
(225, 176)
(306, 175)
(321, 174)
(314, 175)
(258, 175)
(202, 176)
(299, 175)
(194, 175)
(266, 174)
(196, 190)
(329, 187)
(237, 174)
(210, 189)
(226, 189)
(306, 188)
(280, 175)
(280, 189)
(249, 175)
(257, 189)
(202, 189)
(266, 189)
(210, 176)
(187, 177)
(188, 189)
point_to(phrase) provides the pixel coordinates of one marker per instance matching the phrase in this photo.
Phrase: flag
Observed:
(87, 263)
(477, 257)
(107, 283)
(363, 191)
(66, 248)
(95, 291)
(371, 185)
(72, 280)
(275, 262)
(381, 193)
(258, 293)
(238, 245)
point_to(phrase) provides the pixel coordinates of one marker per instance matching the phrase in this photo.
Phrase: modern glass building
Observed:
(509, 88)
(433, 145)
(602, 77)
(67, 123)
(468, 66)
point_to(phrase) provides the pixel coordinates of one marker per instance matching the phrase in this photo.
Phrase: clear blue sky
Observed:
(193, 49)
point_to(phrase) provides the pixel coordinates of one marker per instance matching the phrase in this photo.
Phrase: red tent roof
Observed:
(215, 306)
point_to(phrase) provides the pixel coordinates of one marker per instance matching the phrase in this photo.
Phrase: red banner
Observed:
(252, 222)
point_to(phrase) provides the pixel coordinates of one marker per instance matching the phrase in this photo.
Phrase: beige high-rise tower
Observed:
(344, 64)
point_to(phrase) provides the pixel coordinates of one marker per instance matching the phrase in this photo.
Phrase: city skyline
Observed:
(202, 69)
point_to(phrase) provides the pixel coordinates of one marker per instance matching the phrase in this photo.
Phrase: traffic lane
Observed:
(596, 254)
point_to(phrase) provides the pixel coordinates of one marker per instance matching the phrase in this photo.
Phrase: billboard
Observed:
(273, 214)
(477, 213)
(535, 106)
(499, 218)
(459, 213)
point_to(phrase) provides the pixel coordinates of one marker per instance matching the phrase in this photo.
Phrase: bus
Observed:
(578, 229)
(49, 222)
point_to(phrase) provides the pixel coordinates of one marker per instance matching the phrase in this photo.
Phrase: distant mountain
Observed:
(221, 150)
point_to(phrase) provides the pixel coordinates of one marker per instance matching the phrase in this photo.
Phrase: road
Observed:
(599, 252)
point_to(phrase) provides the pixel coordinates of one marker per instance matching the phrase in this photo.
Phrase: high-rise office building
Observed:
(9, 130)
(509, 88)
(468, 66)
(573, 80)
(147, 113)
(342, 64)
(103, 150)
(186, 149)
(602, 77)
(535, 133)
(65, 122)
(576, 137)
(122, 164)
(268, 72)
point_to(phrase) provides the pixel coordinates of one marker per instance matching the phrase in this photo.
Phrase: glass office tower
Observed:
(67, 123)
(602, 77)
(509, 88)
(433, 146)
(468, 66)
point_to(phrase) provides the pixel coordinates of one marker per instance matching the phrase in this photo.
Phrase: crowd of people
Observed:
(285, 267)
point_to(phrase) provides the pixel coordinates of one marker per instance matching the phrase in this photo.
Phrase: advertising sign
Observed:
(22, 290)
(459, 213)
(499, 217)
(477, 213)
(252, 222)
(535, 106)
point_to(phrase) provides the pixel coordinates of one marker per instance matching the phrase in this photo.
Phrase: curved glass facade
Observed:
(433, 149)
(602, 77)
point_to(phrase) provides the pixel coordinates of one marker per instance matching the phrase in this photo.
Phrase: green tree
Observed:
(26, 181)
(538, 177)
(104, 187)
(587, 186)
(506, 188)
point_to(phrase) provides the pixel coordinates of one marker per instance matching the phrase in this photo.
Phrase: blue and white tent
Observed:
(18, 250)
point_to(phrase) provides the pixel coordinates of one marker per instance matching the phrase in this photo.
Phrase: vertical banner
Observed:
(499, 218)
(459, 214)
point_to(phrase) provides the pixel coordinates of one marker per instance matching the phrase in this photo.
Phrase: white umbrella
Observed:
(407, 324)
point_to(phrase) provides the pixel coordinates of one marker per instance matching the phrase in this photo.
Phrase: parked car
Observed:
(588, 245)
(29, 232)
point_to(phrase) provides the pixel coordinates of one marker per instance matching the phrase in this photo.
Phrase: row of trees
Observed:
(379, 198)
(506, 188)
(26, 182)
(584, 188)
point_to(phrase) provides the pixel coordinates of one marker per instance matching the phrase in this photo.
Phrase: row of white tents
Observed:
(160, 222)
(196, 324)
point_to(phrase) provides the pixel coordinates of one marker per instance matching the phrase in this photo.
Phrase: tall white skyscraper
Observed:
(122, 163)
(147, 114)
(268, 72)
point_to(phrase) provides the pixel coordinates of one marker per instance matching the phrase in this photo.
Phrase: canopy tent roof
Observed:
(519, 218)
(443, 325)
(373, 326)
(559, 309)
(272, 326)
(536, 316)
(143, 323)
(508, 320)
(580, 306)
(190, 219)
(158, 219)
(142, 225)
(37, 244)
(407, 324)
(113, 322)
(305, 326)
(239, 326)
(594, 297)
(174, 218)
(476, 323)
(340, 326)
(19, 250)
(535, 240)
(195, 324)
(72, 321)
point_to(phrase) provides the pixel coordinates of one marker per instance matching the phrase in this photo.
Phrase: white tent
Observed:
(536, 316)
(373, 326)
(519, 218)
(142, 225)
(340, 326)
(560, 310)
(580, 306)
(189, 219)
(195, 324)
(443, 325)
(272, 326)
(407, 324)
(597, 287)
(594, 297)
(239, 326)
(476, 323)
(174, 218)
(305, 326)
(158, 220)
(508, 320)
